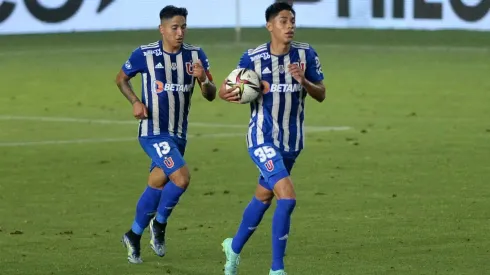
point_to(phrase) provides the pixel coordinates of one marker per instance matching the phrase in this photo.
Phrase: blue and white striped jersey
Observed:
(278, 116)
(167, 86)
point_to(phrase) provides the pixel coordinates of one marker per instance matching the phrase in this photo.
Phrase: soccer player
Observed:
(169, 70)
(289, 71)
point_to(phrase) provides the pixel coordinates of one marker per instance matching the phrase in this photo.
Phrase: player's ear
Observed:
(268, 25)
(160, 28)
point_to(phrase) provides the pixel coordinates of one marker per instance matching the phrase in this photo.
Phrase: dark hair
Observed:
(274, 9)
(170, 11)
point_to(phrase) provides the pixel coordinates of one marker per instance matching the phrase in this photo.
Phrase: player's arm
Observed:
(312, 77)
(124, 85)
(132, 66)
(205, 79)
(316, 90)
(201, 71)
(208, 88)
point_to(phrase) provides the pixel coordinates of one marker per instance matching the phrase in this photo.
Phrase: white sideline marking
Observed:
(48, 142)
(102, 140)
(128, 48)
(135, 122)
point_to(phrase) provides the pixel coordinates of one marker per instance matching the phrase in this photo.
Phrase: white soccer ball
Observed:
(248, 82)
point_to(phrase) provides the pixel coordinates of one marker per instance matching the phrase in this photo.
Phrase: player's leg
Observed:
(174, 166)
(148, 202)
(173, 190)
(161, 150)
(281, 221)
(252, 216)
(251, 219)
(270, 163)
(145, 210)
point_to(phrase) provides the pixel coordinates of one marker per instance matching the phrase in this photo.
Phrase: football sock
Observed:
(251, 218)
(145, 209)
(133, 236)
(160, 227)
(168, 200)
(280, 231)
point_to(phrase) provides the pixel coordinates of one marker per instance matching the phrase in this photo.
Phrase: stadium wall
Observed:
(52, 16)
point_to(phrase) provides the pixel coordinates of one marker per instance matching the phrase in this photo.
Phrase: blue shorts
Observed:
(273, 164)
(166, 152)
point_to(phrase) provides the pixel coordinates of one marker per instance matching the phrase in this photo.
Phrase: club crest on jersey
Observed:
(174, 66)
(188, 68)
(169, 162)
(281, 69)
(302, 65)
(269, 165)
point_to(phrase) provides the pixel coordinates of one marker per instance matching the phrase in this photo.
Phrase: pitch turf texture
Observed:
(404, 191)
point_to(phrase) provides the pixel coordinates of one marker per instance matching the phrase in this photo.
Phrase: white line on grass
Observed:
(134, 122)
(103, 140)
(49, 142)
(365, 47)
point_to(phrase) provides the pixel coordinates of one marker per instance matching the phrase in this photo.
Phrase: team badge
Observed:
(302, 65)
(188, 68)
(281, 69)
(169, 162)
(128, 65)
(269, 165)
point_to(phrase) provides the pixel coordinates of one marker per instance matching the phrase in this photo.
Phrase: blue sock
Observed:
(145, 209)
(251, 218)
(280, 231)
(169, 199)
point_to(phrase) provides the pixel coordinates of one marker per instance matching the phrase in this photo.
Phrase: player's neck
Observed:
(279, 48)
(169, 49)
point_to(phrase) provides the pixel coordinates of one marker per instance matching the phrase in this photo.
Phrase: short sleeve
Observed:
(204, 59)
(135, 64)
(245, 62)
(313, 70)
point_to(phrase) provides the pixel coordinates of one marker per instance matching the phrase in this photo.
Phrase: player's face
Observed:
(173, 30)
(282, 27)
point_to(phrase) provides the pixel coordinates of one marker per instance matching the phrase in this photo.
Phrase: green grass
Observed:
(404, 192)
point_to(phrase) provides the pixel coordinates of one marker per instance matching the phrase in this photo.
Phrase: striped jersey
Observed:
(167, 86)
(278, 116)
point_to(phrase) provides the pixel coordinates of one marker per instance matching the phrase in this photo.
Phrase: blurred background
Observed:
(393, 179)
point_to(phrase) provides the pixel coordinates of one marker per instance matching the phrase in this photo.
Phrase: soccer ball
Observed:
(248, 82)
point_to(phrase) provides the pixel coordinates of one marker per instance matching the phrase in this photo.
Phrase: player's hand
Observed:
(297, 73)
(232, 94)
(198, 71)
(139, 110)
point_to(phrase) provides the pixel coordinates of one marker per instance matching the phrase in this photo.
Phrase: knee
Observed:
(263, 195)
(182, 181)
(284, 189)
(157, 179)
(265, 198)
(156, 185)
